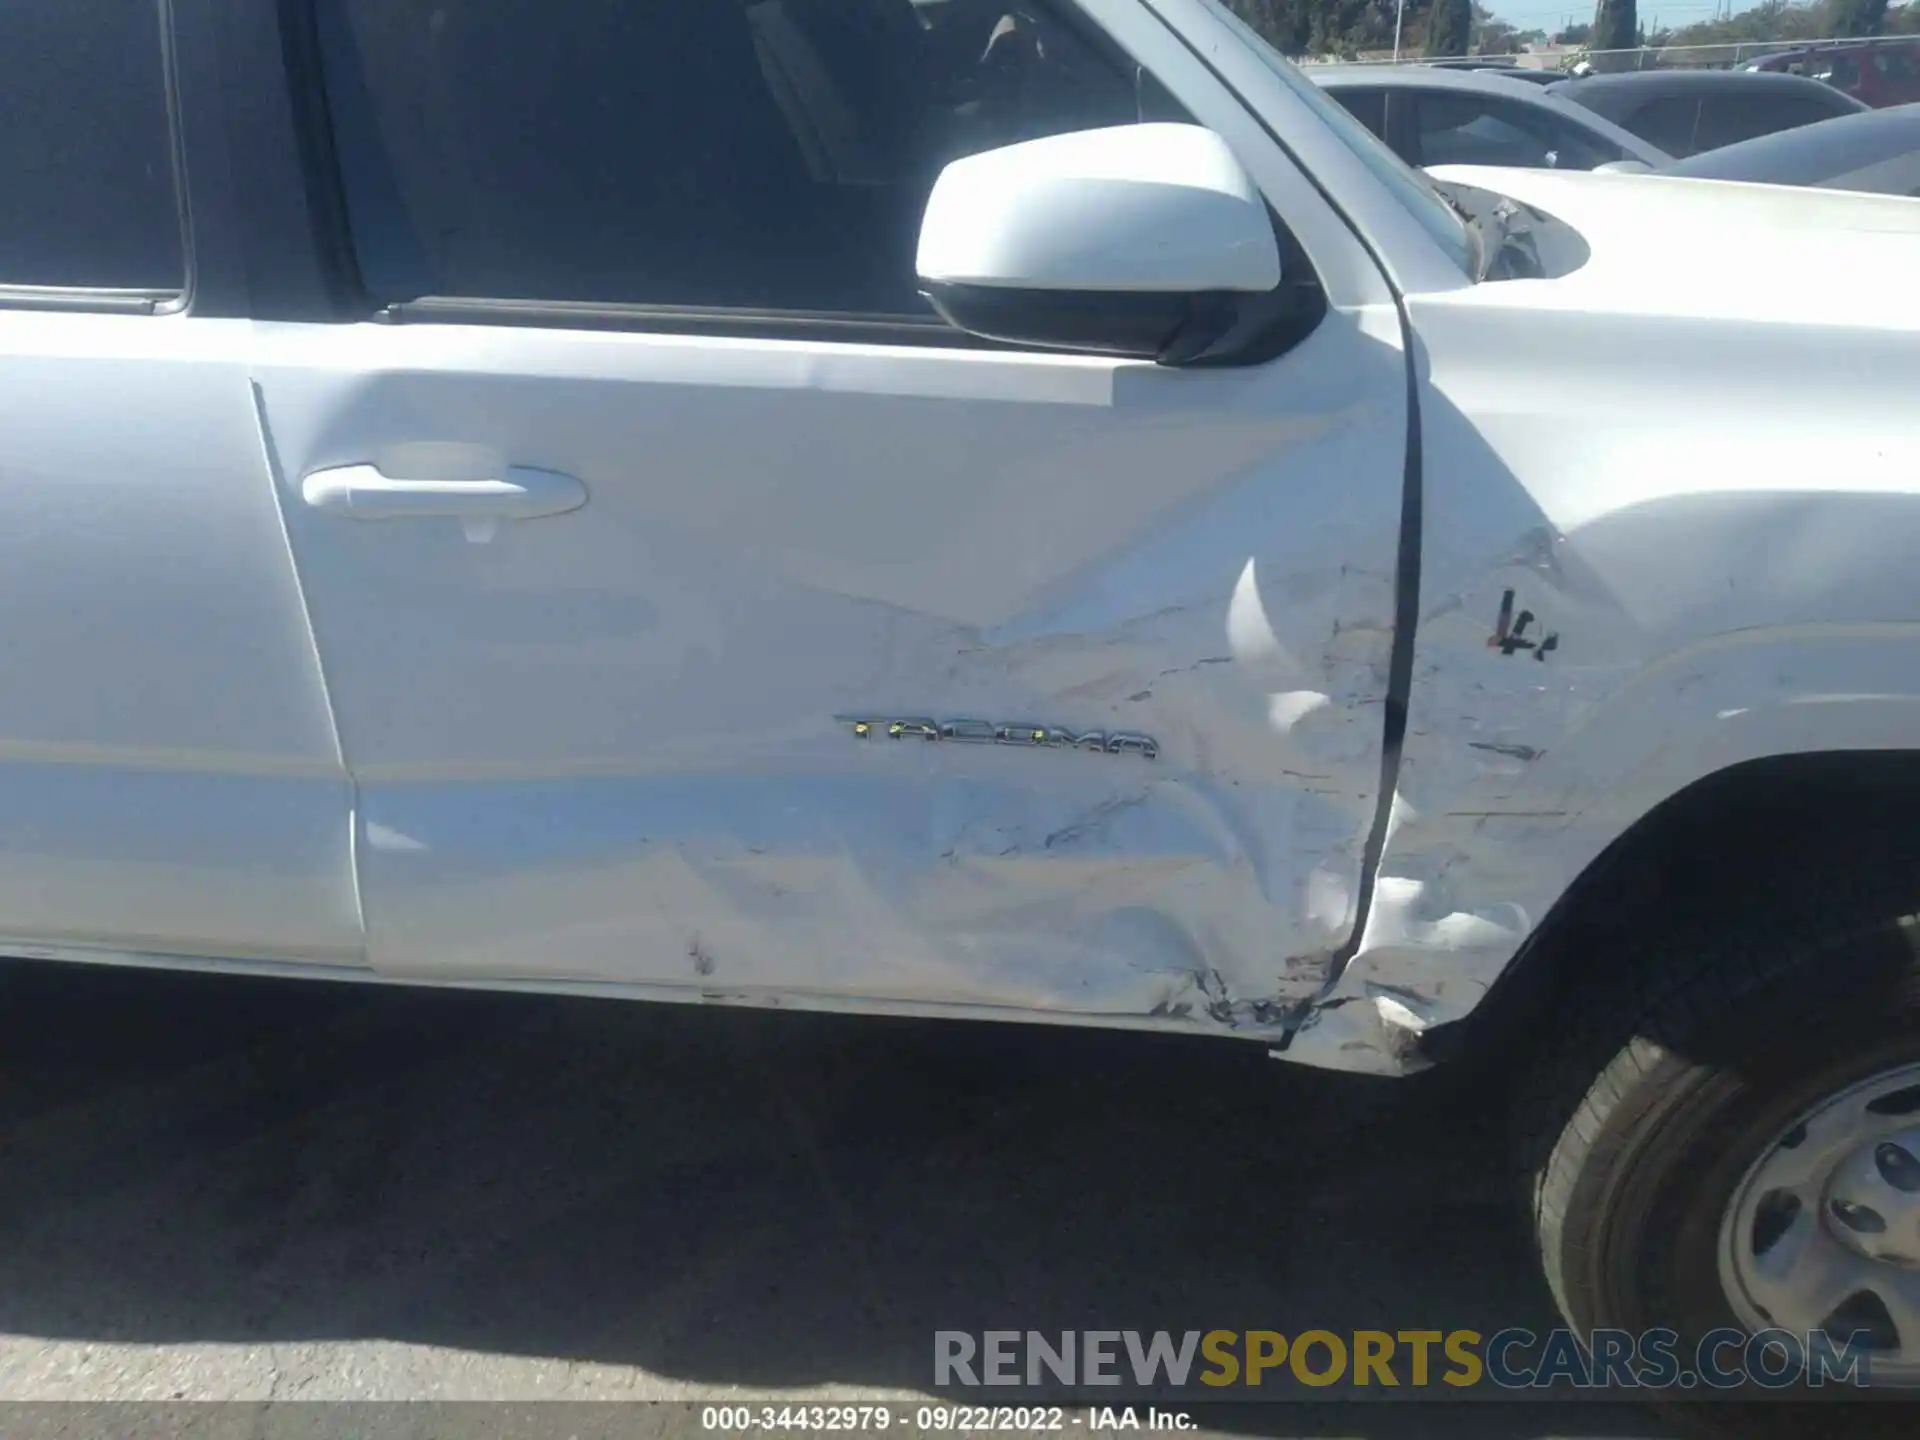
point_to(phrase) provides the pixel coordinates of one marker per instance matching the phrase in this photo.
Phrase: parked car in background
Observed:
(1534, 77)
(1686, 111)
(1878, 152)
(1435, 116)
(1876, 75)
(1494, 66)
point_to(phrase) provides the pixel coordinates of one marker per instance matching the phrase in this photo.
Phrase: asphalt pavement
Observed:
(244, 1190)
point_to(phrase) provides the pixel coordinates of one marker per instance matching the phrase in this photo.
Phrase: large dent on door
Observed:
(1725, 571)
(1220, 579)
(1205, 887)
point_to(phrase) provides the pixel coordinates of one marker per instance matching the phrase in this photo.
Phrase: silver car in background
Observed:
(1435, 116)
(1876, 151)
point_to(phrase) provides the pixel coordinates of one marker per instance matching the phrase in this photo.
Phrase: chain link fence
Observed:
(1798, 56)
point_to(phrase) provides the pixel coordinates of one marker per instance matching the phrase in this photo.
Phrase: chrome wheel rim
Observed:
(1823, 1231)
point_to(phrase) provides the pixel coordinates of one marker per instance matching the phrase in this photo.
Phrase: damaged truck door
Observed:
(706, 732)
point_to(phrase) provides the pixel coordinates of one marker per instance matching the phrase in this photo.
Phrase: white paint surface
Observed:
(1135, 208)
(169, 777)
(1699, 469)
(602, 747)
(592, 746)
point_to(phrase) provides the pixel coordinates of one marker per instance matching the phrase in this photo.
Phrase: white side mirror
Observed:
(1118, 241)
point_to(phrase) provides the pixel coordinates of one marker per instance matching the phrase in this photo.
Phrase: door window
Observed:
(760, 155)
(1480, 130)
(1369, 107)
(87, 190)
(1726, 121)
(1668, 123)
(1842, 72)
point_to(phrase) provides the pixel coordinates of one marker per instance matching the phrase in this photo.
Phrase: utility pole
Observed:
(1399, 14)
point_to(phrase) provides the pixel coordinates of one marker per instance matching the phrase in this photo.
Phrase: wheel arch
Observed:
(1517, 792)
(1799, 818)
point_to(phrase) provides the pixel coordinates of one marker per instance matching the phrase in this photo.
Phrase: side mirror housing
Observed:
(1147, 241)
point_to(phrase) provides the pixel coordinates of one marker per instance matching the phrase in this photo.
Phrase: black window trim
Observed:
(93, 300)
(120, 300)
(325, 189)
(321, 176)
(738, 323)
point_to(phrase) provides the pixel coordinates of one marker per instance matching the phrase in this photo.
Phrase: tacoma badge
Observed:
(988, 732)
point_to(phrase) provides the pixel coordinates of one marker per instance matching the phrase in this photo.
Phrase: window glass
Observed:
(1476, 130)
(1896, 175)
(750, 154)
(1726, 120)
(1846, 156)
(1369, 107)
(87, 196)
(1412, 189)
(1668, 123)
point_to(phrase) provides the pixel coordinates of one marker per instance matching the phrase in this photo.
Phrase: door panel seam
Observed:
(276, 481)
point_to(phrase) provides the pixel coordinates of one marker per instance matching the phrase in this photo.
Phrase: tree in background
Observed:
(1450, 28)
(1343, 27)
(1494, 36)
(1331, 27)
(1778, 20)
(1856, 17)
(1769, 20)
(1615, 26)
(1338, 27)
(1286, 25)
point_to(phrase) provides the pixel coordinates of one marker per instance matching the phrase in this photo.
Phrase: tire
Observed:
(1698, 1042)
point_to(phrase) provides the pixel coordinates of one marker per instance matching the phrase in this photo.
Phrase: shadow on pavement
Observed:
(724, 1197)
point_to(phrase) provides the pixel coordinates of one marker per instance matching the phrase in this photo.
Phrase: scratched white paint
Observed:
(602, 746)
(1709, 499)
(595, 752)
(597, 749)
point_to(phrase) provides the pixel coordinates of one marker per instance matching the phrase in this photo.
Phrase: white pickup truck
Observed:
(1001, 508)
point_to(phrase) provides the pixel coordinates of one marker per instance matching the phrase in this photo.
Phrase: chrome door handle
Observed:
(361, 492)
